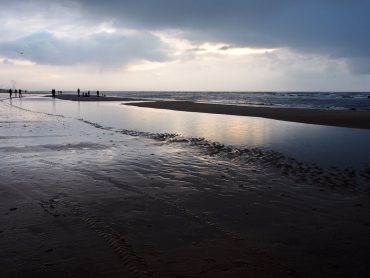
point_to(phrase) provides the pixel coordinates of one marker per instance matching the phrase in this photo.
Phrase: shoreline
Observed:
(93, 98)
(339, 118)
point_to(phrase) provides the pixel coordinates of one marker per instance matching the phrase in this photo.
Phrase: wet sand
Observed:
(82, 200)
(94, 98)
(341, 118)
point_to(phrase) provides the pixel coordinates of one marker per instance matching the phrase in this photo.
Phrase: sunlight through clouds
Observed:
(194, 48)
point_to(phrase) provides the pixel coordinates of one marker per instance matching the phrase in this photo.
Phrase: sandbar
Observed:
(94, 98)
(340, 118)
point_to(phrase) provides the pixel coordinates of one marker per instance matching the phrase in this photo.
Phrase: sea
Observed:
(310, 100)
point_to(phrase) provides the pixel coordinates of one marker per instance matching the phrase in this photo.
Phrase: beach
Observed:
(83, 200)
(93, 98)
(342, 118)
(184, 139)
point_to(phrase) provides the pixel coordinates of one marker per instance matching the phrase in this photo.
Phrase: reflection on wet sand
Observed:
(98, 203)
(310, 143)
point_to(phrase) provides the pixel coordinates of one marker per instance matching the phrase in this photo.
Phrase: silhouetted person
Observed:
(10, 93)
(88, 93)
(97, 93)
(15, 92)
(78, 92)
(53, 93)
(20, 93)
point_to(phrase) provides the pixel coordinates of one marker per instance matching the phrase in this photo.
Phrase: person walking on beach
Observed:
(97, 93)
(20, 93)
(10, 93)
(53, 93)
(78, 92)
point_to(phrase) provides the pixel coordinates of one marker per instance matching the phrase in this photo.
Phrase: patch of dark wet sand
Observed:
(341, 118)
(166, 231)
(61, 248)
(94, 98)
(29, 136)
(55, 147)
(13, 122)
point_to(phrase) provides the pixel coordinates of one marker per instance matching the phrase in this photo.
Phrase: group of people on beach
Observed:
(87, 94)
(79, 93)
(16, 93)
(54, 92)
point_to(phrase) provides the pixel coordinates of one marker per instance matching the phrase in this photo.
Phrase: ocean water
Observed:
(323, 145)
(321, 100)
(310, 100)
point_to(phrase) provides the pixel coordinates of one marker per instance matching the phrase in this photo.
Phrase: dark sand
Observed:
(93, 98)
(342, 118)
(84, 201)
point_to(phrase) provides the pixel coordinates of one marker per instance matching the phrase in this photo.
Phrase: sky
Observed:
(185, 45)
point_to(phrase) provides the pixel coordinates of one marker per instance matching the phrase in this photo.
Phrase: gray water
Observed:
(322, 145)
(311, 100)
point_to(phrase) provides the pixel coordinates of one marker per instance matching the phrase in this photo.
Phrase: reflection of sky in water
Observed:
(320, 144)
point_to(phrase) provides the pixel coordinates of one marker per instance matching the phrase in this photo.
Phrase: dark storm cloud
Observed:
(338, 28)
(110, 50)
(335, 28)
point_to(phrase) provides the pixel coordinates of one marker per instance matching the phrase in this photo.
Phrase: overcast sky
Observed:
(218, 45)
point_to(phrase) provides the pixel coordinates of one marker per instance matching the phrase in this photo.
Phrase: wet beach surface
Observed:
(82, 200)
(342, 118)
(325, 146)
(93, 97)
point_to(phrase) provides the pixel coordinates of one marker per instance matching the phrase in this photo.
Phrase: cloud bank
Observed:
(110, 50)
(317, 39)
(337, 28)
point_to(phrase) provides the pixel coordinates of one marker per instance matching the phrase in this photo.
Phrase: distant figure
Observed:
(53, 93)
(15, 92)
(10, 93)
(97, 93)
(88, 93)
(78, 92)
(20, 93)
